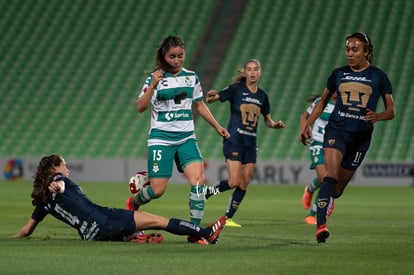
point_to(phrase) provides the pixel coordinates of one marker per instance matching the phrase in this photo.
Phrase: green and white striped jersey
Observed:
(318, 129)
(171, 115)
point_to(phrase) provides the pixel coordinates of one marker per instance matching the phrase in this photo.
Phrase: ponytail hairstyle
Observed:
(241, 76)
(169, 42)
(367, 43)
(42, 179)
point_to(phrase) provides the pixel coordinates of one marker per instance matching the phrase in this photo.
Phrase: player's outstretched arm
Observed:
(27, 229)
(203, 110)
(272, 124)
(212, 96)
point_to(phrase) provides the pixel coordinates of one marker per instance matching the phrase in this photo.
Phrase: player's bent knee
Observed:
(233, 184)
(157, 194)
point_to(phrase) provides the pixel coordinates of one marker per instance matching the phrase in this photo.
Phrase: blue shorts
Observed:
(119, 225)
(243, 154)
(352, 145)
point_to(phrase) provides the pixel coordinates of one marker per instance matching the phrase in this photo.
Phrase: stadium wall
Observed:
(267, 172)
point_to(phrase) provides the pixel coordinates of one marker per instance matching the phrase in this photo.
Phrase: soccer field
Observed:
(372, 232)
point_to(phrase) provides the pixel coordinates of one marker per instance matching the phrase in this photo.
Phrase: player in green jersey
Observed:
(173, 92)
(316, 153)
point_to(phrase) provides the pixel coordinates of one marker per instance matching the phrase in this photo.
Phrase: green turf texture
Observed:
(372, 232)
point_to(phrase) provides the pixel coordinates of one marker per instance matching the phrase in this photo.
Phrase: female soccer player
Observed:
(316, 153)
(173, 92)
(358, 86)
(54, 193)
(247, 102)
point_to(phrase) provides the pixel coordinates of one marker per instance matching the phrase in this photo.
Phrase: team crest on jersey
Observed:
(188, 81)
(155, 168)
(331, 142)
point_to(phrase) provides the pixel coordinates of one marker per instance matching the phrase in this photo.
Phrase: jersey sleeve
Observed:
(58, 177)
(312, 106)
(145, 87)
(265, 110)
(198, 91)
(385, 84)
(331, 83)
(226, 93)
(39, 213)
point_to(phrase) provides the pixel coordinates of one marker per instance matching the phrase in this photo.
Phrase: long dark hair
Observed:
(167, 43)
(42, 178)
(367, 43)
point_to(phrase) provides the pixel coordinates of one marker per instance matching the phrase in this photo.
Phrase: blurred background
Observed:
(70, 70)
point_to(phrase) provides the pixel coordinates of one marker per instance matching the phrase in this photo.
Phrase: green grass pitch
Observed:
(372, 232)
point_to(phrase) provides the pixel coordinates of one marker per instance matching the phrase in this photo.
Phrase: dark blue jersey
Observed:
(74, 208)
(246, 108)
(356, 92)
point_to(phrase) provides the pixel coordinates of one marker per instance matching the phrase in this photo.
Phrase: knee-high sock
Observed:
(234, 202)
(325, 199)
(181, 227)
(144, 196)
(313, 208)
(222, 186)
(314, 185)
(196, 203)
(217, 188)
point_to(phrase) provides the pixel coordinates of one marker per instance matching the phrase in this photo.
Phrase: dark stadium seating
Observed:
(299, 43)
(70, 71)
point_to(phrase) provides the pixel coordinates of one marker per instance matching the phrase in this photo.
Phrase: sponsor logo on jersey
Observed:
(244, 132)
(348, 115)
(175, 115)
(356, 78)
(252, 100)
(164, 82)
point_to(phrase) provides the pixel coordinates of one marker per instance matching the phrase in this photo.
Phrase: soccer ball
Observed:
(137, 182)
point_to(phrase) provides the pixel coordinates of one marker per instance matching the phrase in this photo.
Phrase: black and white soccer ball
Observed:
(137, 182)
